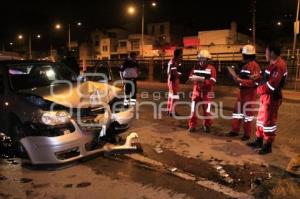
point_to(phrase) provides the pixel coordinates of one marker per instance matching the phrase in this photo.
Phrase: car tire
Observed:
(17, 133)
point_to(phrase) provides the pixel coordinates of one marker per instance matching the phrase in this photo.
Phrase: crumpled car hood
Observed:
(79, 95)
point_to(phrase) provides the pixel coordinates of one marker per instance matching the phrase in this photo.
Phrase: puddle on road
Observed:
(120, 168)
(242, 175)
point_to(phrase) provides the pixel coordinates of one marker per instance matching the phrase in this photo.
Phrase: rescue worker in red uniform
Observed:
(270, 92)
(248, 80)
(174, 81)
(204, 76)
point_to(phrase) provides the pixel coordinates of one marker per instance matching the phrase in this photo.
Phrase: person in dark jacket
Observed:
(71, 62)
(129, 73)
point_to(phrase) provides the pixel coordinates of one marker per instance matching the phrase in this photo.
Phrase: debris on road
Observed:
(158, 149)
(83, 184)
(2, 178)
(173, 169)
(25, 180)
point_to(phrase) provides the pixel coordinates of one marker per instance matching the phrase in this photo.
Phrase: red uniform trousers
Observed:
(267, 117)
(173, 95)
(244, 111)
(203, 100)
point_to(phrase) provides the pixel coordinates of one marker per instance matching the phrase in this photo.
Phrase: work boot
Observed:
(245, 138)
(206, 129)
(192, 130)
(232, 134)
(257, 143)
(267, 148)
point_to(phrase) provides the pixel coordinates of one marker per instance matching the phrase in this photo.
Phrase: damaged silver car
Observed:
(53, 117)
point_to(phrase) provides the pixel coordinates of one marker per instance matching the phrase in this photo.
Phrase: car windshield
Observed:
(31, 75)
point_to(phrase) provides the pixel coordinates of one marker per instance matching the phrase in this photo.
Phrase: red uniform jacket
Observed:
(173, 74)
(251, 68)
(247, 84)
(274, 79)
(205, 88)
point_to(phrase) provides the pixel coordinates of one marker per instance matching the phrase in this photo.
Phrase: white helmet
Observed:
(204, 54)
(248, 50)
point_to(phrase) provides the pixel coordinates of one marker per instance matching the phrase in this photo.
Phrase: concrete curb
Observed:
(190, 177)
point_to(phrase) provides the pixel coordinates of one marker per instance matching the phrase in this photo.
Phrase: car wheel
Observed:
(17, 133)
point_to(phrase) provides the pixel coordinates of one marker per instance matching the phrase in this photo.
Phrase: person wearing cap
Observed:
(248, 80)
(174, 82)
(204, 77)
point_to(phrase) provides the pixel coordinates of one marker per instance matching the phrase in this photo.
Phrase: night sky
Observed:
(40, 16)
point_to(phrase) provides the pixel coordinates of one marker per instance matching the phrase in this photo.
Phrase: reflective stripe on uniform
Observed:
(202, 72)
(245, 71)
(266, 129)
(172, 96)
(270, 87)
(132, 101)
(193, 106)
(213, 79)
(208, 107)
(270, 129)
(249, 118)
(237, 116)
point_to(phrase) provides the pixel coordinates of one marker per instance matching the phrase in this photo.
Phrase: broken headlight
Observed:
(54, 118)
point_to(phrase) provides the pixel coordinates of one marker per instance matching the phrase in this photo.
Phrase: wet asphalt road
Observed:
(119, 176)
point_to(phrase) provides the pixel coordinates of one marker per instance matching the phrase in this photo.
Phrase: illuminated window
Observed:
(123, 44)
(105, 48)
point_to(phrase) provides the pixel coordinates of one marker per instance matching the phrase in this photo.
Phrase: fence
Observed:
(156, 70)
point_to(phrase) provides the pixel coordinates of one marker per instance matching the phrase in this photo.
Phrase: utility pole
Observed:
(296, 29)
(29, 46)
(143, 28)
(254, 22)
(69, 37)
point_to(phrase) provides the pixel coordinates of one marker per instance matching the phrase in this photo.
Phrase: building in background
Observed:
(223, 44)
(166, 34)
(161, 39)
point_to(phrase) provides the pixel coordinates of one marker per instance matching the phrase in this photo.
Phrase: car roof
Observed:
(8, 62)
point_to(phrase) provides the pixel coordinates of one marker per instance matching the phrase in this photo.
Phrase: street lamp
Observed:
(279, 23)
(59, 26)
(131, 10)
(20, 36)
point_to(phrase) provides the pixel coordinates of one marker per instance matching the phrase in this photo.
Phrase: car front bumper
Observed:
(71, 146)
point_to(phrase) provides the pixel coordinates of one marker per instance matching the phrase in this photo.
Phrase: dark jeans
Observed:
(130, 88)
